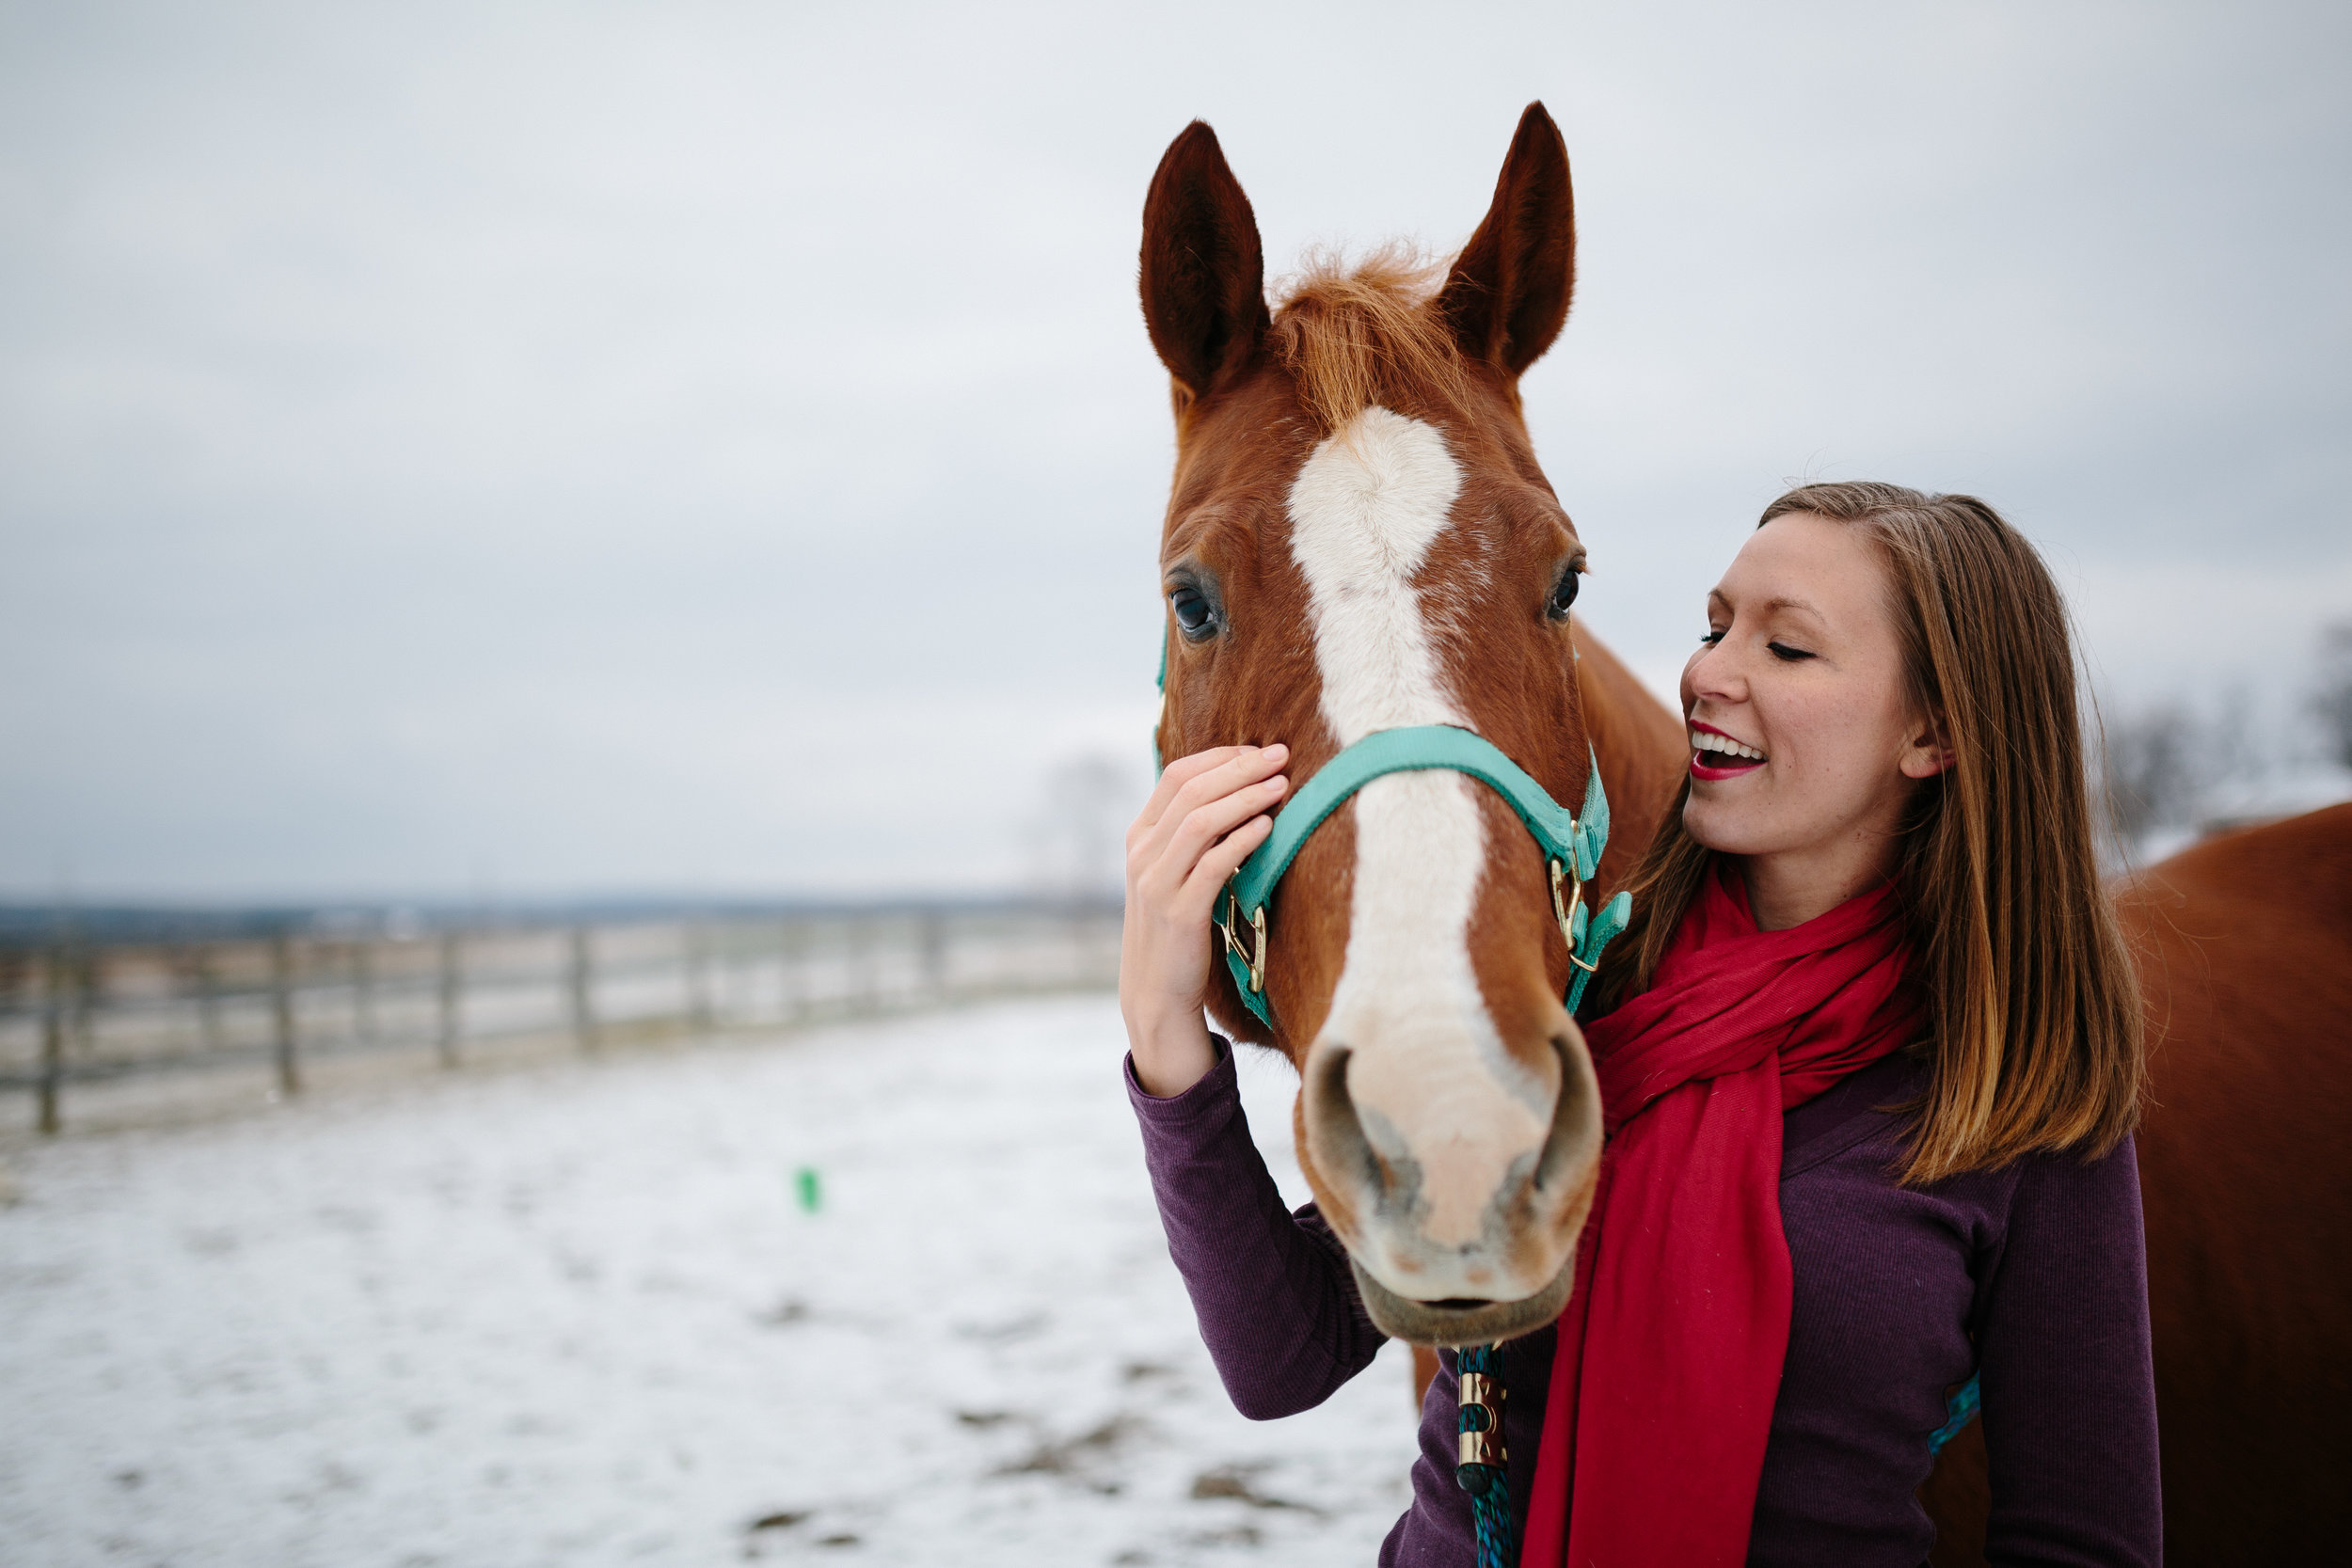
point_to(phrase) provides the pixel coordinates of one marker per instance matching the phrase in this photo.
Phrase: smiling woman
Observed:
(1885, 694)
(1797, 701)
(1881, 876)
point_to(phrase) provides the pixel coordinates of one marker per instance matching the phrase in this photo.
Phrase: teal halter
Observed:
(1571, 848)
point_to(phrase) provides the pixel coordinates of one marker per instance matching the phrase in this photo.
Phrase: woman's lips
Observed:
(1710, 763)
(1702, 768)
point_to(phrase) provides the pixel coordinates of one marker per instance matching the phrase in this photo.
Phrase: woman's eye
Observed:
(1192, 610)
(1710, 638)
(1564, 594)
(1783, 651)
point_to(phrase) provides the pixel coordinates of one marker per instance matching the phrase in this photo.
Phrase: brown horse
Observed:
(2245, 949)
(1360, 538)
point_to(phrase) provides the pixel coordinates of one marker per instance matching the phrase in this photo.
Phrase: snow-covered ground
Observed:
(578, 1316)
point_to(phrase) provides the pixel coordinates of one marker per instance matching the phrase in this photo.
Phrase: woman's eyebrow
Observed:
(1803, 606)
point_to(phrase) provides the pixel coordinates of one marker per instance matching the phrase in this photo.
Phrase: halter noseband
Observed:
(1571, 848)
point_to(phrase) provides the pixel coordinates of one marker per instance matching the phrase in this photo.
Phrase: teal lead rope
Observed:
(1482, 1470)
(1960, 1408)
(1482, 1466)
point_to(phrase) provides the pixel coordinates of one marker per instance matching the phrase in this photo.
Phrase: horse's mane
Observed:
(1368, 334)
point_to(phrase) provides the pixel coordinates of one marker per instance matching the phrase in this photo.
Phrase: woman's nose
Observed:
(1714, 672)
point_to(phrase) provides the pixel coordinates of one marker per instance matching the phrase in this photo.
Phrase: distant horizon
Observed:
(23, 925)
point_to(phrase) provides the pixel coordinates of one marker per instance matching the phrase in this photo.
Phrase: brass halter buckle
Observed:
(1565, 909)
(1480, 1439)
(1256, 961)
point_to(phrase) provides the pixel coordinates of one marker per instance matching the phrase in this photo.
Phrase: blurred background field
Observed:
(140, 1015)
(583, 1316)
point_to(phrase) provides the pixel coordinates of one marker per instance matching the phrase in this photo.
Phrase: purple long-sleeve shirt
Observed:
(2033, 1275)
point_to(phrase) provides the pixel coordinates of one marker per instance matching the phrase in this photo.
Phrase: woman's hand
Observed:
(1210, 811)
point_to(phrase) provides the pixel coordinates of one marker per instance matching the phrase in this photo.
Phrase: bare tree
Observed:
(2150, 760)
(2332, 702)
(1080, 833)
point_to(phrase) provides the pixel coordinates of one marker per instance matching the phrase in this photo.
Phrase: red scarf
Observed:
(1670, 1347)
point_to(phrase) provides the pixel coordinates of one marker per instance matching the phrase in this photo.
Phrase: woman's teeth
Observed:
(1703, 740)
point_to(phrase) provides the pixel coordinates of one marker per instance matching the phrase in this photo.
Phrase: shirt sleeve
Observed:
(1276, 1305)
(2069, 1381)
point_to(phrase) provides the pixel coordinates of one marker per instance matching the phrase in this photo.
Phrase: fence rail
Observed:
(82, 1012)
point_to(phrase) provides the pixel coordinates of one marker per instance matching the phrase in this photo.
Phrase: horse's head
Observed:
(1359, 539)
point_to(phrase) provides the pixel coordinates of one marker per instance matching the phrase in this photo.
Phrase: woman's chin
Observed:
(1722, 826)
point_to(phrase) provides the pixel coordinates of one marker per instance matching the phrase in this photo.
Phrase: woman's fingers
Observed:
(1160, 866)
(1209, 812)
(1240, 767)
(1180, 774)
(1212, 820)
(1207, 774)
(1221, 860)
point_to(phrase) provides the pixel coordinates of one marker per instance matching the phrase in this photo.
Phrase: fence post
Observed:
(699, 1011)
(935, 955)
(208, 995)
(51, 1041)
(446, 1043)
(864, 974)
(282, 961)
(584, 983)
(787, 972)
(91, 977)
(363, 990)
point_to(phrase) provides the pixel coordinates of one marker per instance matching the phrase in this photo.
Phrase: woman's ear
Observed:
(1929, 750)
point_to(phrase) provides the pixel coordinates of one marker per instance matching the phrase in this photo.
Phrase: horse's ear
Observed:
(1203, 271)
(1508, 293)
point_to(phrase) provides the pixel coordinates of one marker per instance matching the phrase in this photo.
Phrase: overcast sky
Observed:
(670, 446)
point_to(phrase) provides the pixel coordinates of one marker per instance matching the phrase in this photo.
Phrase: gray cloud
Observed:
(717, 445)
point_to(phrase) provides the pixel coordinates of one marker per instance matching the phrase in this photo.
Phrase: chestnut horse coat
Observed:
(2245, 948)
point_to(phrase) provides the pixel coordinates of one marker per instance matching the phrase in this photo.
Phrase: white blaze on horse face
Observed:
(1435, 1089)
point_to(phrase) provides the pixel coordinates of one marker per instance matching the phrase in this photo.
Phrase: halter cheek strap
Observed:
(1572, 847)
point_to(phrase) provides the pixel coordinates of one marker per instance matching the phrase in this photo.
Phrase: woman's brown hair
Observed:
(2034, 1031)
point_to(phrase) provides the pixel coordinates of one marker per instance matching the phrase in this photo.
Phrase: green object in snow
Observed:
(811, 1188)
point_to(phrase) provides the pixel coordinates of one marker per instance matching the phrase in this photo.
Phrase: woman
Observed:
(1871, 1057)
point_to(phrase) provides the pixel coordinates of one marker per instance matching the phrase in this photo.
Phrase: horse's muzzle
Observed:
(1454, 1324)
(1525, 1241)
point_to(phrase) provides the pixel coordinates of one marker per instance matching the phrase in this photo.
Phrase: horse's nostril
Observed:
(1572, 1148)
(1335, 1134)
(1444, 1181)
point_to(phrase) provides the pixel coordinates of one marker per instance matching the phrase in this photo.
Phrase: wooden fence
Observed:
(77, 1012)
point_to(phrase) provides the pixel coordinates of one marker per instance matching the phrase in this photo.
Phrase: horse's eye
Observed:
(1564, 594)
(1193, 613)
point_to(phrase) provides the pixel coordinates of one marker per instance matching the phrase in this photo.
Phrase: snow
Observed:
(578, 1315)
